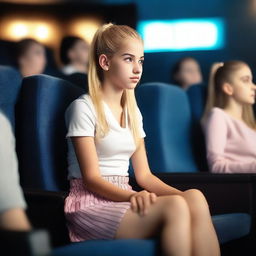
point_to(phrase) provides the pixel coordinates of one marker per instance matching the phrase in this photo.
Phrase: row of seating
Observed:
(169, 125)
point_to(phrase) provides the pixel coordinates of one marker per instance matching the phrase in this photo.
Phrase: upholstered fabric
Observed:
(124, 247)
(231, 226)
(10, 83)
(197, 99)
(167, 123)
(41, 133)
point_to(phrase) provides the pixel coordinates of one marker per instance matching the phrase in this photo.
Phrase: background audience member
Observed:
(12, 203)
(228, 121)
(186, 72)
(30, 57)
(74, 55)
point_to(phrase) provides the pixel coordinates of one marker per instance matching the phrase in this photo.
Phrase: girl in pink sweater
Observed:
(228, 121)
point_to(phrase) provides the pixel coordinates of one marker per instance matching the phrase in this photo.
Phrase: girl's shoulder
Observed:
(84, 101)
(218, 113)
(81, 105)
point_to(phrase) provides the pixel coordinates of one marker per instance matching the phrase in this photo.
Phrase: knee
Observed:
(176, 205)
(194, 195)
(196, 200)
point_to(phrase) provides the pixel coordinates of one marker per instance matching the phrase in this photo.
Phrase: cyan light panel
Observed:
(182, 35)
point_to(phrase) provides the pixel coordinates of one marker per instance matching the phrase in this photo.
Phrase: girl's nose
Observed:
(137, 68)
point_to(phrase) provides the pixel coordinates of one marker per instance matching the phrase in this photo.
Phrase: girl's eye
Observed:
(141, 62)
(129, 59)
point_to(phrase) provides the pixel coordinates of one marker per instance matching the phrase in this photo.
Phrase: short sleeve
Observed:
(141, 130)
(80, 119)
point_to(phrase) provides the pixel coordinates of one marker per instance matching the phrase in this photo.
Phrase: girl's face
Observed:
(125, 66)
(243, 88)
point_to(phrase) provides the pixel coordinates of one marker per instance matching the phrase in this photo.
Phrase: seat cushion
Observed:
(124, 247)
(231, 226)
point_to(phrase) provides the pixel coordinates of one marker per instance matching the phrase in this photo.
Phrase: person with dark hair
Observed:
(186, 72)
(30, 57)
(74, 55)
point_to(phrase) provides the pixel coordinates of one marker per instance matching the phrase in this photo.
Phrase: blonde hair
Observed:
(220, 74)
(107, 40)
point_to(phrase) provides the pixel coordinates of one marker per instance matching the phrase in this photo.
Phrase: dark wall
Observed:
(240, 20)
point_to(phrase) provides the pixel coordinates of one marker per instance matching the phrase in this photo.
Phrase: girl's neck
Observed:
(111, 95)
(234, 109)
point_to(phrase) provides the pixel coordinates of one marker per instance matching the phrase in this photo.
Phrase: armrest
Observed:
(46, 210)
(225, 193)
(29, 243)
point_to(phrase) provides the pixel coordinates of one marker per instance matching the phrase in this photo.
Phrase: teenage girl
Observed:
(104, 132)
(228, 121)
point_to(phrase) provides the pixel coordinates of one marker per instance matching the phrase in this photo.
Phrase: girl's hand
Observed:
(141, 201)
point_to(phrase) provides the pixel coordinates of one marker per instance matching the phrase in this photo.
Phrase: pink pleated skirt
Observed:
(90, 216)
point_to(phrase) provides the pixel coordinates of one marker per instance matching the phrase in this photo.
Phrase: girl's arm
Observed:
(145, 178)
(88, 161)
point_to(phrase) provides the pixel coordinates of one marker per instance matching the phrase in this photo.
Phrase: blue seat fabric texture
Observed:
(10, 84)
(41, 133)
(167, 123)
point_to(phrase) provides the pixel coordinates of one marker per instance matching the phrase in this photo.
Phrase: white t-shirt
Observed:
(114, 150)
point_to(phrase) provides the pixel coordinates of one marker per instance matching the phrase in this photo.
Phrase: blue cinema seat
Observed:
(167, 123)
(10, 84)
(197, 99)
(41, 131)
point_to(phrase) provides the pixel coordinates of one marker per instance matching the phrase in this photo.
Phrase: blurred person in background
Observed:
(30, 57)
(186, 72)
(74, 55)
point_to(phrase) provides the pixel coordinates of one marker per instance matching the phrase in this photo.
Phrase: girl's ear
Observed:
(104, 62)
(228, 89)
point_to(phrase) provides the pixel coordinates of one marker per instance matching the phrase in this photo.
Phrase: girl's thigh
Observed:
(133, 225)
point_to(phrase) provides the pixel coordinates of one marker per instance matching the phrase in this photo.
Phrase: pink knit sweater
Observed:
(231, 144)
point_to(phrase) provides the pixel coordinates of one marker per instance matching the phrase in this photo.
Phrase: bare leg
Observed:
(204, 239)
(171, 215)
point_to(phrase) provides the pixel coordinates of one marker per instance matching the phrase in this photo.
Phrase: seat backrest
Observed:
(167, 123)
(41, 130)
(197, 98)
(10, 84)
(7, 51)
